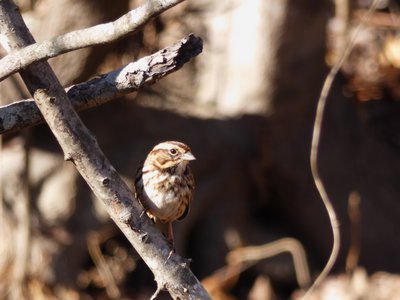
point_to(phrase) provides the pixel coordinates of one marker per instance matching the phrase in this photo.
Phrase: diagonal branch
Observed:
(170, 270)
(96, 35)
(95, 92)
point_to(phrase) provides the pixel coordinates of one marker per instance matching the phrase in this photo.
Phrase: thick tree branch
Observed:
(96, 35)
(104, 88)
(171, 271)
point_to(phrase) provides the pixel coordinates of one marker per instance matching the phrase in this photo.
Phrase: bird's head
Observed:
(170, 154)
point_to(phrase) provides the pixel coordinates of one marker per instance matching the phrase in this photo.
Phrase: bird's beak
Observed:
(188, 156)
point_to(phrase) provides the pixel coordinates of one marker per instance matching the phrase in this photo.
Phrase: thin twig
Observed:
(107, 87)
(314, 153)
(354, 213)
(156, 293)
(254, 254)
(93, 244)
(22, 233)
(96, 35)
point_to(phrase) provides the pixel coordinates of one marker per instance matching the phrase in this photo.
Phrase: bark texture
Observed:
(107, 87)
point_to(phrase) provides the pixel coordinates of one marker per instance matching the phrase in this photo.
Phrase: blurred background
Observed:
(257, 228)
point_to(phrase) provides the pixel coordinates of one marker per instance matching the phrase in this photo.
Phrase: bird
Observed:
(164, 185)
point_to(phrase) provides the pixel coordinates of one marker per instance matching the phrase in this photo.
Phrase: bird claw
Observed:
(172, 251)
(170, 254)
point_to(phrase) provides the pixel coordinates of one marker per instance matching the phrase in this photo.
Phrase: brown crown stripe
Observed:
(178, 144)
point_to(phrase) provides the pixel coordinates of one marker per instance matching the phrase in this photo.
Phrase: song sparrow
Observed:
(165, 184)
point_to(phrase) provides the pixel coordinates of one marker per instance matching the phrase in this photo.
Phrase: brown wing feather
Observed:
(185, 213)
(139, 185)
(191, 184)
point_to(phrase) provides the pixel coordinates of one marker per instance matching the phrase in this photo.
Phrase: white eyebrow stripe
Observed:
(171, 144)
(163, 146)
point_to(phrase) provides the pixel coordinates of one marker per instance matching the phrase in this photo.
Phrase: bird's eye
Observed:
(173, 151)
